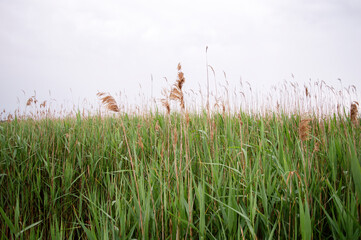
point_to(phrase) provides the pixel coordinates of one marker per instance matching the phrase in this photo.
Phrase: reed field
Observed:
(285, 169)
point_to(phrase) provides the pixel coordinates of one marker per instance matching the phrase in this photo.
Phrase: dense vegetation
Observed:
(160, 176)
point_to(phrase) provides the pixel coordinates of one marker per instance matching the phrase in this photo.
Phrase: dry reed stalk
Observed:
(242, 233)
(354, 112)
(240, 121)
(304, 129)
(140, 142)
(175, 137)
(187, 117)
(108, 101)
(176, 92)
(213, 126)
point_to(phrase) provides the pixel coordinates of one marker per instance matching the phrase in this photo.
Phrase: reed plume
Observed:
(176, 92)
(43, 104)
(307, 92)
(165, 100)
(31, 100)
(187, 117)
(304, 129)
(108, 101)
(10, 118)
(354, 112)
(165, 103)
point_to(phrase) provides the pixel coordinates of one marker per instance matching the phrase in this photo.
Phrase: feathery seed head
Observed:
(304, 129)
(354, 112)
(165, 104)
(176, 91)
(108, 101)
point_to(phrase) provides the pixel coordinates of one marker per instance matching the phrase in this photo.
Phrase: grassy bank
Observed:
(165, 176)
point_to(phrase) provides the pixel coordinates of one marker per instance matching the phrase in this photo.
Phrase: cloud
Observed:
(91, 45)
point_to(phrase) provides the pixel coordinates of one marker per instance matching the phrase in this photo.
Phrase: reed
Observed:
(304, 129)
(354, 112)
(108, 101)
(176, 92)
(235, 173)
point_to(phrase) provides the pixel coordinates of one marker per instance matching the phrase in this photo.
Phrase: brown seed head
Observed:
(165, 104)
(108, 101)
(307, 93)
(29, 102)
(180, 80)
(240, 120)
(176, 91)
(354, 112)
(43, 104)
(304, 129)
(187, 118)
(10, 118)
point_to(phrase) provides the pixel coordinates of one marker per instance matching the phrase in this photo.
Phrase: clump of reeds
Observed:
(155, 161)
(354, 112)
(304, 129)
(177, 92)
(108, 101)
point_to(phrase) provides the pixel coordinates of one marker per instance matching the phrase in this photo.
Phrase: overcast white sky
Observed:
(113, 46)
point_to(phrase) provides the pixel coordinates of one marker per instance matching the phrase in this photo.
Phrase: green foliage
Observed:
(224, 177)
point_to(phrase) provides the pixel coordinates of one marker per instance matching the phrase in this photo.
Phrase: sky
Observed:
(69, 50)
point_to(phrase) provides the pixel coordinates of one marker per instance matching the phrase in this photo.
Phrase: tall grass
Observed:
(242, 176)
(182, 175)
